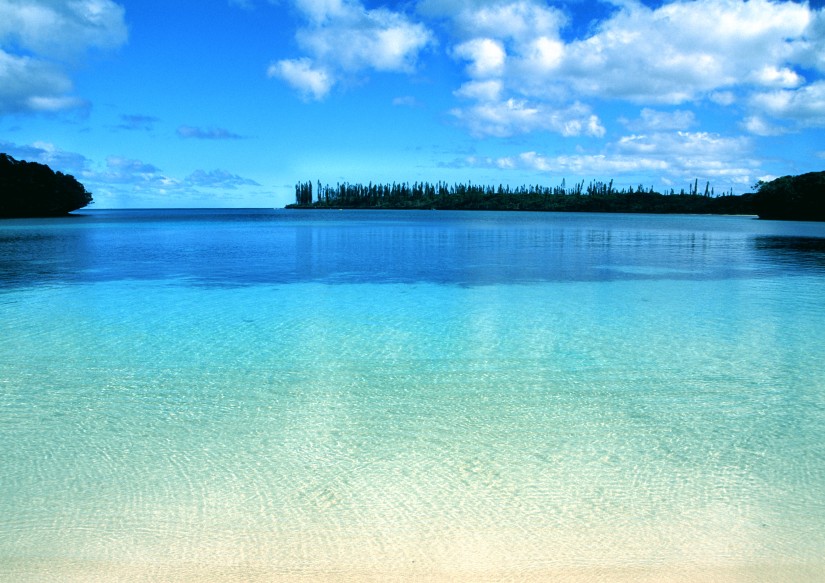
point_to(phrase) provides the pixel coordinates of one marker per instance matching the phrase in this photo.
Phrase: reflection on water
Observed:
(798, 252)
(244, 247)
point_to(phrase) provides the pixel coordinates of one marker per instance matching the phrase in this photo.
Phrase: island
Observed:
(596, 196)
(30, 189)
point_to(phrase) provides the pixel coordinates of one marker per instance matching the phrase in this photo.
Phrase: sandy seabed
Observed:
(76, 572)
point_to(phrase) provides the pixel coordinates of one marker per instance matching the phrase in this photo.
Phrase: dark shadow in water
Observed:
(798, 253)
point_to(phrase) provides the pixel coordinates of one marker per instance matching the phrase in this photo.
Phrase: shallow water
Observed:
(333, 395)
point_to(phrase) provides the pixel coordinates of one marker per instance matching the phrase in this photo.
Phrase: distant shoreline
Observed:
(581, 212)
(788, 198)
(595, 197)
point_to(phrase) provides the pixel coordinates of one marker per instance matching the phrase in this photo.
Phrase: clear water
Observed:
(374, 396)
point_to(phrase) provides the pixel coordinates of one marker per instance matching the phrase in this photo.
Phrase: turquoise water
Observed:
(285, 395)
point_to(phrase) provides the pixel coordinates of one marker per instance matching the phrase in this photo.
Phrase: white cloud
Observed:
(804, 106)
(757, 125)
(684, 144)
(515, 20)
(366, 39)
(675, 157)
(41, 39)
(509, 117)
(320, 11)
(809, 50)
(486, 57)
(480, 90)
(682, 51)
(594, 165)
(522, 74)
(771, 76)
(345, 38)
(694, 154)
(24, 81)
(303, 76)
(49, 103)
(542, 55)
(60, 28)
(655, 120)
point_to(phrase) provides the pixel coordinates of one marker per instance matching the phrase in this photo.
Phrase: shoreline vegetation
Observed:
(30, 189)
(788, 198)
(597, 196)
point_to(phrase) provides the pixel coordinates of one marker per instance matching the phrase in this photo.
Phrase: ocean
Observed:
(274, 395)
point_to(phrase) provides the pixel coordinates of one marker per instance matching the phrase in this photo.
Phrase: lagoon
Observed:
(271, 395)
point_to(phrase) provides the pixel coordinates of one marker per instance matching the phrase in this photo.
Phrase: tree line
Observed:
(595, 196)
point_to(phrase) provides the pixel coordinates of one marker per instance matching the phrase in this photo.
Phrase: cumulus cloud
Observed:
(515, 20)
(524, 71)
(41, 40)
(302, 75)
(486, 56)
(683, 50)
(26, 82)
(725, 51)
(771, 76)
(804, 107)
(344, 38)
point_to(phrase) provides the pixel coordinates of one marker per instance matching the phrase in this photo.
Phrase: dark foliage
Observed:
(792, 198)
(595, 197)
(29, 189)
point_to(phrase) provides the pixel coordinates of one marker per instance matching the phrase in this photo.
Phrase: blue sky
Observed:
(231, 102)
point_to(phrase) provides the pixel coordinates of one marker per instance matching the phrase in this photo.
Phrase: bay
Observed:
(240, 395)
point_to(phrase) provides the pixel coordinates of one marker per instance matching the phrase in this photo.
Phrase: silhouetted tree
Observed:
(30, 189)
(597, 196)
(795, 198)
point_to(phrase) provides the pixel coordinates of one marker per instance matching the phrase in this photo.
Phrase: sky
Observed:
(230, 103)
